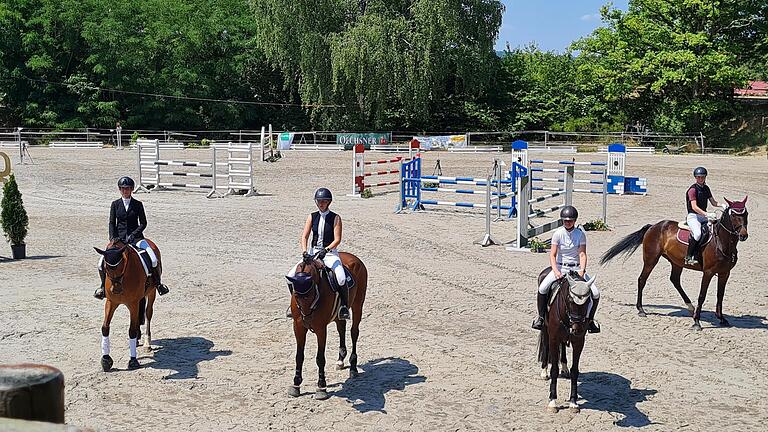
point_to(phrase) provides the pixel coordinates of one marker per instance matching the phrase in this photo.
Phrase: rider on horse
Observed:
(325, 227)
(696, 201)
(127, 222)
(568, 253)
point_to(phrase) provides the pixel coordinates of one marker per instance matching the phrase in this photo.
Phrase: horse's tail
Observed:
(544, 347)
(142, 310)
(626, 246)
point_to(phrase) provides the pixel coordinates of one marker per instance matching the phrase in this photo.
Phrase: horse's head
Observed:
(734, 218)
(305, 285)
(116, 261)
(577, 303)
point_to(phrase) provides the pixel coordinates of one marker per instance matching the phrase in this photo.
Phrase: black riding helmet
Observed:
(700, 171)
(323, 194)
(569, 213)
(126, 181)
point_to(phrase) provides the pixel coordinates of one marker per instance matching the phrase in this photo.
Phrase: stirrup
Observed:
(162, 289)
(99, 294)
(344, 313)
(538, 323)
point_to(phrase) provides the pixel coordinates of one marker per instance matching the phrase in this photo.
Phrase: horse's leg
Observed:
(341, 326)
(651, 255)
(133, 335)
(564, 372)
(300, 332)
(354, 332)
(722, 279)
(578, 346)
(109, 312)
(148, 314)
(554, 354)
(674, 277)
(702, 296)
(142, 318)
(321, 393)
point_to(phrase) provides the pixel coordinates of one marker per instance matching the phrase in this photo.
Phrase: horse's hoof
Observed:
(294, 391)
(321, 394)
(544, 374)
(353, 372)
(133, 364)
(696, 326)
(641, 314)
(106, 363)
(339, 365)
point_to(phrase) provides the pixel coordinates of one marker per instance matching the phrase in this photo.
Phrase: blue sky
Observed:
(551, 24)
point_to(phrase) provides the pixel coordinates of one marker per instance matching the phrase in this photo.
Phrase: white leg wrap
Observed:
(132, 346)
(105, 345)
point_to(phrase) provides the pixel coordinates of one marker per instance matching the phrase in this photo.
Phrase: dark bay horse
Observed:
(718, 256)
(127, 284)
(566, 323)
(314, 305)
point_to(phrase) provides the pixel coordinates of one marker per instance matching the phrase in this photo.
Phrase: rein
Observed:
(733, 233)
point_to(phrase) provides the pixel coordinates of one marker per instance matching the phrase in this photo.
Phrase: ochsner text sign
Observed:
(348, 140)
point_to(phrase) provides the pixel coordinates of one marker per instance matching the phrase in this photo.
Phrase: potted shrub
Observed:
(14, 218)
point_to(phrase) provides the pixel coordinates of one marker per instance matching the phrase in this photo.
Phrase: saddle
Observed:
(328, 275)
(684, 233)
(146, 261)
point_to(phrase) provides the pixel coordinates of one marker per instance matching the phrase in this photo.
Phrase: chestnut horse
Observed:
(127, 284)
(314, 305)
(718, 256)
(566, 323)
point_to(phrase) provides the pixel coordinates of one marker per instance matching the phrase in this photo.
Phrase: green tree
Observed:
(380, 59)
(669, 63)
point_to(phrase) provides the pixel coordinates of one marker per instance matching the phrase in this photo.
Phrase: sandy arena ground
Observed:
(445, 341)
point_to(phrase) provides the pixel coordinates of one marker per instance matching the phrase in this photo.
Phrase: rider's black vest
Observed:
(327, 231)
(703, 194)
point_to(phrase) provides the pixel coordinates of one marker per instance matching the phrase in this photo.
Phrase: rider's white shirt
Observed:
(568, 244)
(321, 229)
(126, 203)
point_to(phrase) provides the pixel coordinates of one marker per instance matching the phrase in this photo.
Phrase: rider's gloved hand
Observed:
(321, 254)
(129, 239)
(712, 216)
(724, 206)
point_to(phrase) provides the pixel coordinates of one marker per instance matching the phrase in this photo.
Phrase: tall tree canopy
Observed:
(382, 60)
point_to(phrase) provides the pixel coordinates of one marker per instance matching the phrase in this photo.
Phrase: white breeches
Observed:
(332, 261)
(544, 286)
(142, 244)
(694, 221)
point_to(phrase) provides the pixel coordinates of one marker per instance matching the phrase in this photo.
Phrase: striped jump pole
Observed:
(391, 166)
(238, 175)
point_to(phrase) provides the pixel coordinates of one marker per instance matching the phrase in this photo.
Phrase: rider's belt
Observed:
(568, 265)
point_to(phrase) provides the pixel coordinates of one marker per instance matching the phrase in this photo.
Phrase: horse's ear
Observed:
(745, 199)
(591, 281)
(101, 252)
(730, 203)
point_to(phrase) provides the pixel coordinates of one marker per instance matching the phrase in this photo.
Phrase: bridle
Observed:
(733, 232)
(305, 316)
(116, 280)
(564, 296)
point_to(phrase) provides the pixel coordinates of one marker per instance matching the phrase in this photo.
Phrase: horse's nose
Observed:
(744, 237)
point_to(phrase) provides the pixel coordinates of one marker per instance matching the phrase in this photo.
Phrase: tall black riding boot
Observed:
(690, 257)
(344, 309)
(541, 305)
(161, 289)
(99, 293)
(593, 327)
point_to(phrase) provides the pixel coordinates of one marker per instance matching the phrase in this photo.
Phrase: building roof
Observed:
(754, 89)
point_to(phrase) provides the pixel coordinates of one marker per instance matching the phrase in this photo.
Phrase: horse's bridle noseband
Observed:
(118, 280)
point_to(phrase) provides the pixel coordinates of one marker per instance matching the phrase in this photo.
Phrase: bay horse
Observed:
(127, 284)
(566, 323)
(314, 305)
(718, 256)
